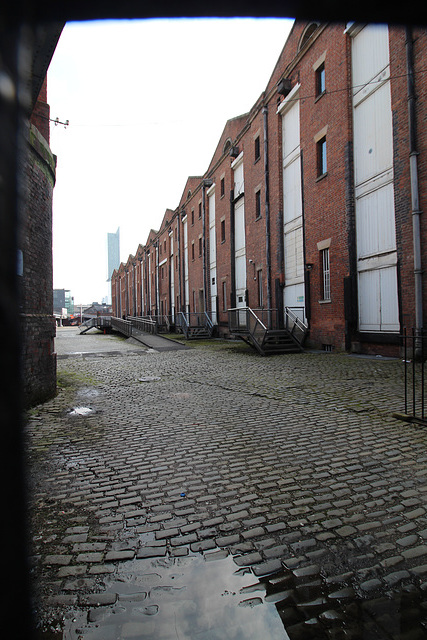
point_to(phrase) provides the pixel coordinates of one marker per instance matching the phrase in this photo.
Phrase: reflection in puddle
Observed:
(190, 598)
(181, 598)
(81, 411)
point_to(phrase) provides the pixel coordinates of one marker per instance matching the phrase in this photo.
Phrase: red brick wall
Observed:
(328, 202)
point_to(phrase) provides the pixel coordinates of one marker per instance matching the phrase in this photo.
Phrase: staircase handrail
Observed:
(143, 323)
(122, 326)
(296, 327)
(182, 322)
(248, 322)
(208, 323)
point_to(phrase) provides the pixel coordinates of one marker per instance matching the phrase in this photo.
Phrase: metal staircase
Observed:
(246, 324)
(195, 325)
(100, 322)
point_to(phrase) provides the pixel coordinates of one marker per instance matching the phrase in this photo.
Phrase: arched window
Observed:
(307, 33)
(227, 145)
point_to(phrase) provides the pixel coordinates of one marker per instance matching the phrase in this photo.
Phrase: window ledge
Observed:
(325, 301)
(321, 177)
(320, 96)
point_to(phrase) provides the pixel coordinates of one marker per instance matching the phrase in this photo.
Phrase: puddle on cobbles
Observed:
(81, 411)
(210, 598)
(179, 598)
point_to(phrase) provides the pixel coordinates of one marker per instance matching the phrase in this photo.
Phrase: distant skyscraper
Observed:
(113, 252)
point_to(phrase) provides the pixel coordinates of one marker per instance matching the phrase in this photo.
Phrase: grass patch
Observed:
(73, 380)
(215, 344)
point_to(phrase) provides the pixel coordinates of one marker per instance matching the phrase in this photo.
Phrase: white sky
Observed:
(147, 102)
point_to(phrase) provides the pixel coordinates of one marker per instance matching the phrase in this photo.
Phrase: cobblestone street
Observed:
(289, 473)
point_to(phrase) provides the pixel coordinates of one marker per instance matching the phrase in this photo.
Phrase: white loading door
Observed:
(240, 252)
(212, 254)
(186, 284)
(294, 295)
(172, 277)
(374, 180)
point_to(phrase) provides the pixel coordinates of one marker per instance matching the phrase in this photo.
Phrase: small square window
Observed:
(321, 157)
(320, 80)
(257, 149)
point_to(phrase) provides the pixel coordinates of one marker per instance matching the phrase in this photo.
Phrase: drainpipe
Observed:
(127, 291)
(148, 281)
(267, 215)
(134, 288)
(232, 253)
(413, 172)
(156, 279)
(142, 286)
(179, 264)
(206, 184)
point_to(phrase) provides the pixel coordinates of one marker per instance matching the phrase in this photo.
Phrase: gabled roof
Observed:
(191, 185)
(231, 130)
(151, 236)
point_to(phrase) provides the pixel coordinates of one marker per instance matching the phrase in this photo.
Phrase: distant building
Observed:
(62, 299)
(95, 310)
(113, 240)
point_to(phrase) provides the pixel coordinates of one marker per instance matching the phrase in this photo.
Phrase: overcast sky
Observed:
(146, 102)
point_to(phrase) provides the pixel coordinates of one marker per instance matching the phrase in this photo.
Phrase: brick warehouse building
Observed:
(312, 200)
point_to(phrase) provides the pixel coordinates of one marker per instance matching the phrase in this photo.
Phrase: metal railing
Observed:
(101, 322)
(415, 353)
(122, 326)
(143, 323)
(187, 322)
(293, 323)
(245, 320)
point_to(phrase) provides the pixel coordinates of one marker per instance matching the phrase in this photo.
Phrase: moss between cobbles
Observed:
(214, 344)
(74, 379)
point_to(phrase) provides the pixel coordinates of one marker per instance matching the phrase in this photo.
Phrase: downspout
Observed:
(232, 253)
(127, 291)
(147, 282)
(413, 172)
(179, 264)
(141, 272)
(206, 183)
(156, 278)
(134, 288)
(267, 215)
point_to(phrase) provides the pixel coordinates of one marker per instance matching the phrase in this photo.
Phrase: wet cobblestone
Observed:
(293, 464)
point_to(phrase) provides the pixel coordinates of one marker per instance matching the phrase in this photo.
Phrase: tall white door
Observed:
(294, 294)
(172, 277)
(212, 253)
(239, 232)
(186, 284)
(373, 172)
(240, 252)
(149, 282)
